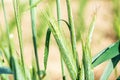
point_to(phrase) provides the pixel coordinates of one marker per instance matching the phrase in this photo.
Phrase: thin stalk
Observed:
(32, 12)
(12, 61)
(17, 18)
(59, 25)
(73, 37)
(71, 23)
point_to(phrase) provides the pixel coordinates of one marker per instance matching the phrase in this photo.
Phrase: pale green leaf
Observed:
(112, 64)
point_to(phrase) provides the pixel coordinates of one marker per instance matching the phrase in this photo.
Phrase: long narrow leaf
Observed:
(108, 53)
(64, 49)
(87, 59)
(46, 53)
(112, 64)
(72, 32)
(11, 62)
(19, 30)
(33, 23)
(59, 25)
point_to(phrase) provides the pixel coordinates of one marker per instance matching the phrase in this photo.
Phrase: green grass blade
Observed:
(72, 32)
(108, 53)
(46, 51)
(59, 25)
(82, 73)
(32, 12)
(78, 66)
(19, 30)
(11, 62)
(112, 64)
(13, 67)
(7, 27)
(58, 12)
(34, 69)
(64, 49)
(87, 64)
(66, 23)
(87, 59)
(5, 70)
(73, 36)
(91, 29)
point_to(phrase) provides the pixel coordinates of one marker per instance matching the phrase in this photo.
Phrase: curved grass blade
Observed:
(112, 64)
(46, 51)
(72, 33)
(66, 24)
(77, 62)
(5, 70)
(65, 52)
(73, 36)
(108, 53)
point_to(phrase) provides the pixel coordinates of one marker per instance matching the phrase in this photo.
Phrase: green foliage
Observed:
(110, 67)
(17, 19)
(64, 49)
(108, 53)
(5, 70)
(46, 52)
(33, 23)
(68, 53)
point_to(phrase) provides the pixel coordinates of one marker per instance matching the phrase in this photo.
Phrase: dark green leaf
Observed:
(108, 53)
(118, 78)
(66, 23)
(5, 70)
(46, 53)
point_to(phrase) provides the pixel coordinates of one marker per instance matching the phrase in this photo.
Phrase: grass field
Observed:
(59, 39)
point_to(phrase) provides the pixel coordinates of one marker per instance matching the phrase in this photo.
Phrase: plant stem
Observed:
(71, 23)
(11, 61)
(17, 17)
(59, 25)
(73, 37)
(32, 11)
